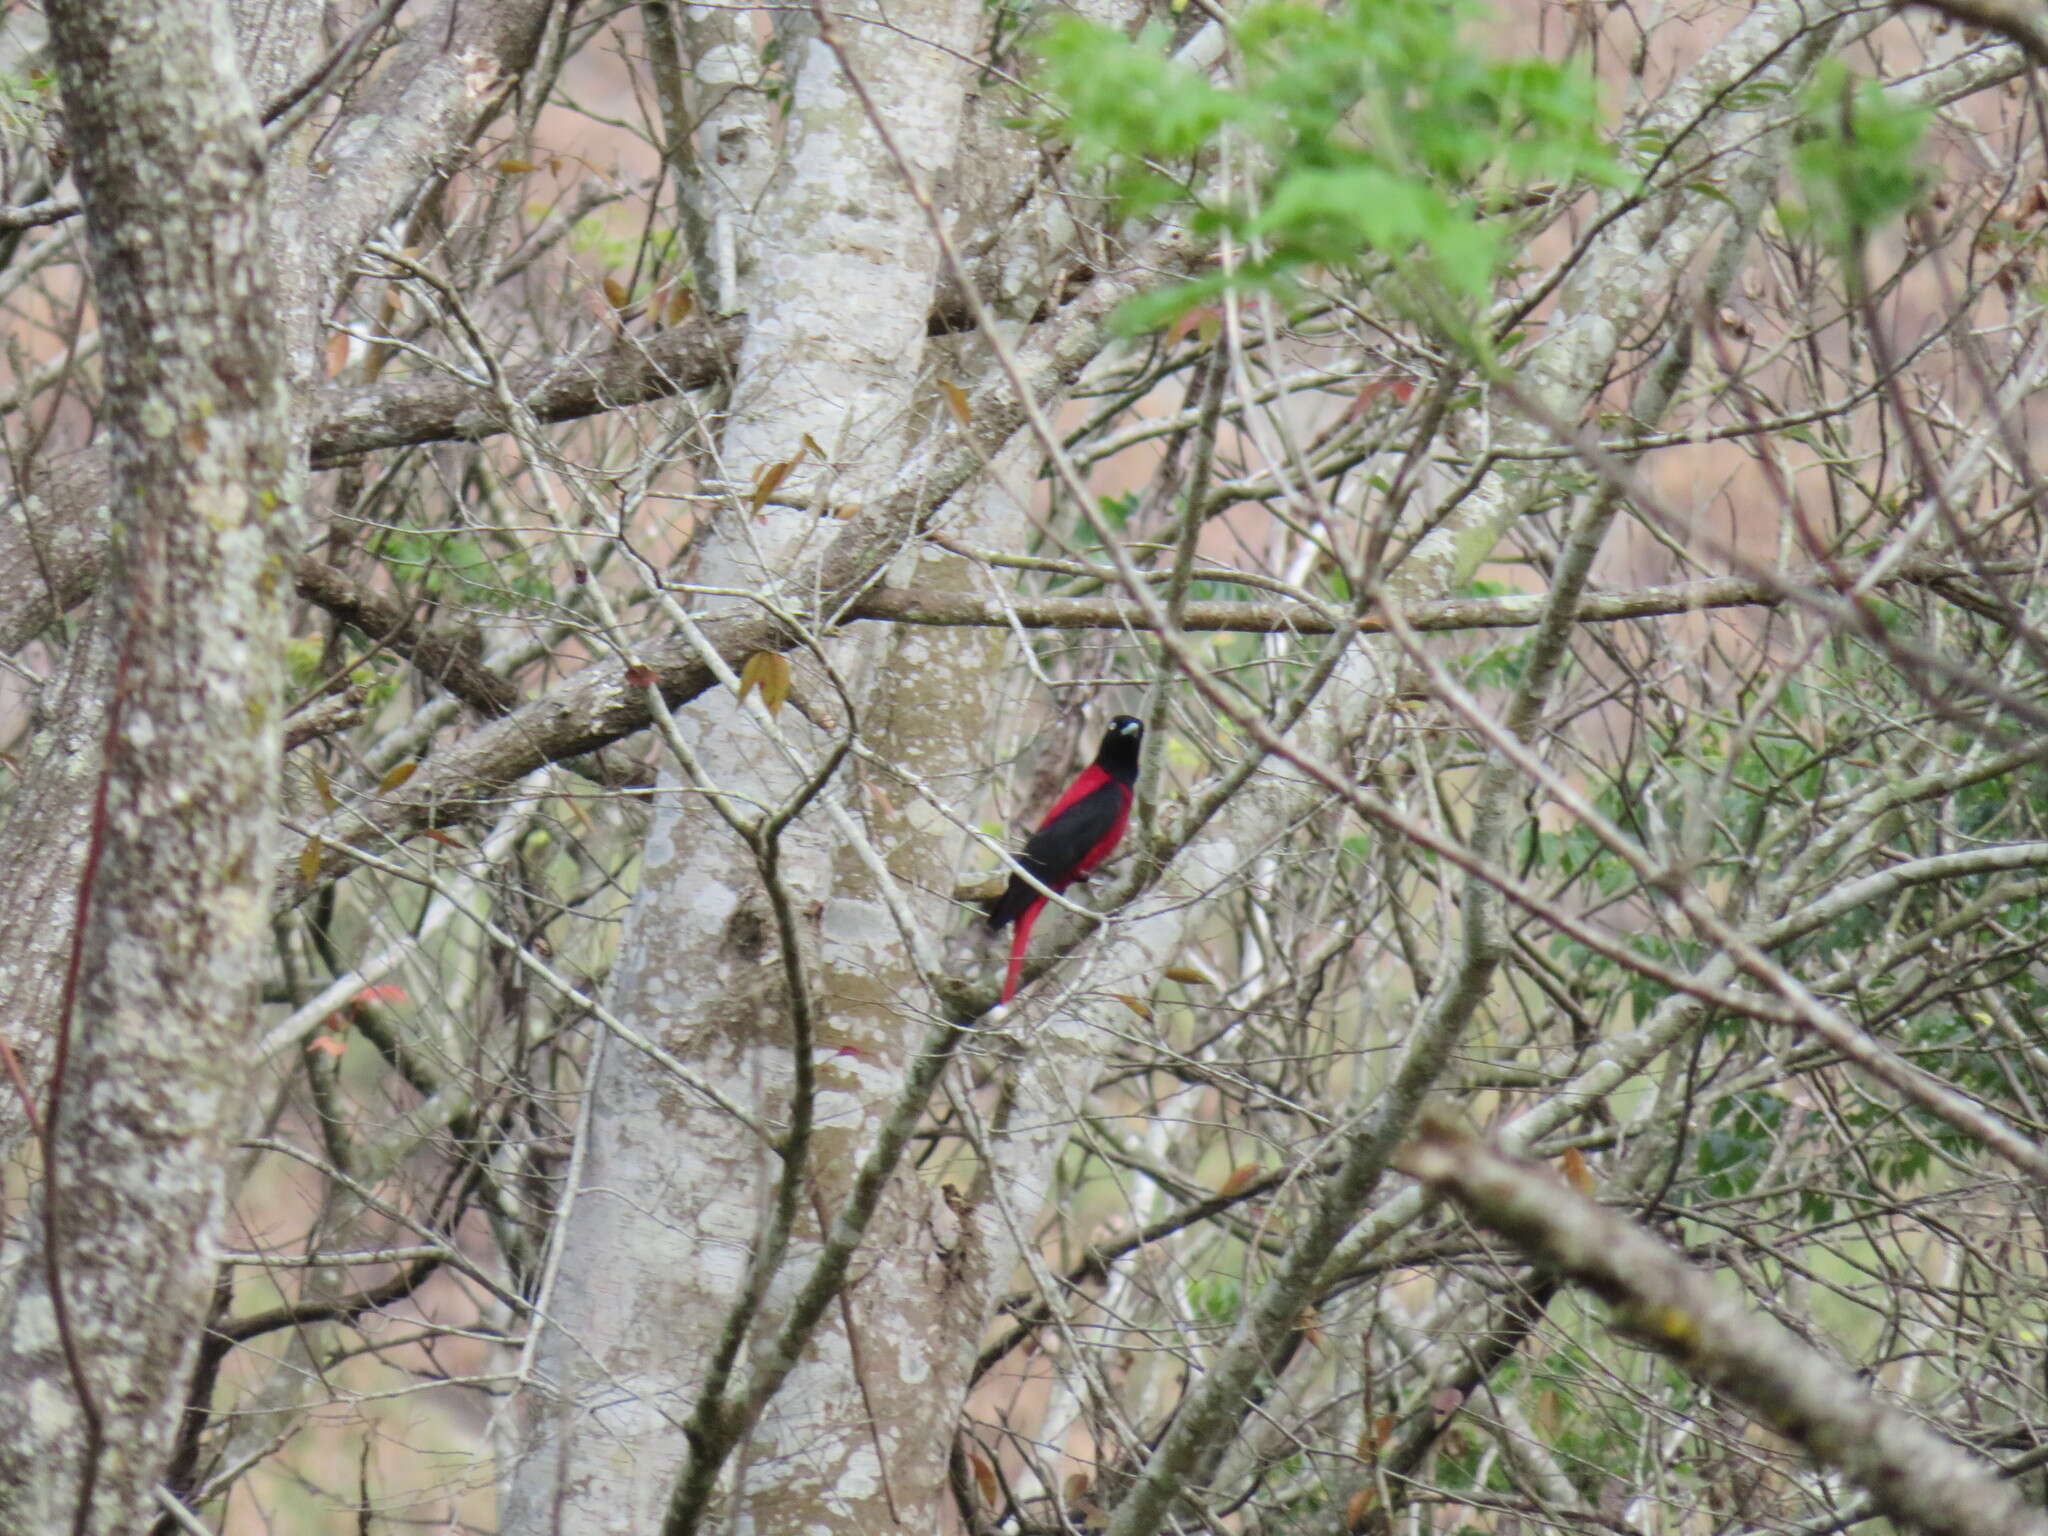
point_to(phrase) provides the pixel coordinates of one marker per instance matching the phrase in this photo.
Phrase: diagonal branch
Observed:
(1914, 1475)
(452, 659)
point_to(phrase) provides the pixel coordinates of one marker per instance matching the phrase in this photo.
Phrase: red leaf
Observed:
(1205, 320)
(1402, 390)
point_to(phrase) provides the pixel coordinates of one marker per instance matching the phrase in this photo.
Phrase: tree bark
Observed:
(148, 1088)
(835, 344)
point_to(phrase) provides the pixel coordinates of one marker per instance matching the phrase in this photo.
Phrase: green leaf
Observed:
(1374, 130)
(1857, 159)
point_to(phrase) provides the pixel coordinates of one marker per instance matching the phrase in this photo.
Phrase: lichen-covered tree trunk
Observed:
(54, 532)
(43, 841)
(147, 1081)
(836, 268)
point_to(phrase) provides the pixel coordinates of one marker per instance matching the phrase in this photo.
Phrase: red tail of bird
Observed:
(1017, 946)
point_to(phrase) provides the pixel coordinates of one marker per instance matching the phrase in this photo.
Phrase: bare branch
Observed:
(436, 408)
(1913, 1474)
(904, 605)
(453, 660)
(2018, 24)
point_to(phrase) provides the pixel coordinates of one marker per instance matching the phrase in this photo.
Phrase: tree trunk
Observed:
(147, 1085)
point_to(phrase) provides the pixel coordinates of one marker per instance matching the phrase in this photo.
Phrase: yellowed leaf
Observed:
(1375, 1435)
(767, 481)
(1188, 975)
(769, 672)
(1238, 1177)
(337, 352)
(396, 775)
(1137, 1005)
(811, 445)
(615, 293)
(680, 305)
(956, 402)
(1359, 1506)
(512, 165)
(1312, 1327)
(1077, 1486)
(1576, 1173)
(985, 1478)
(309, 859)
(323, 787)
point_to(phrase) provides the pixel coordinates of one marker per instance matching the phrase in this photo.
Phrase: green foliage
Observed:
(24, 98)
(1856, 161)
(1736, 1146)
(608, 241)
(307, 666)
(458, 567)
(1500, 666)
(1373, 128)
(1217, 1297)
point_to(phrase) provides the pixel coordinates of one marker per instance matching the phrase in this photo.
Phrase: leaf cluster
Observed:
(1857, 160)
(1375, 129)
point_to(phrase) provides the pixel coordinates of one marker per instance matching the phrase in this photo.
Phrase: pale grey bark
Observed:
(837, 276)
(102, 1320)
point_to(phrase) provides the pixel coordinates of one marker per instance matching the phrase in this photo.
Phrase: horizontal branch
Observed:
(1914, 1475)
(439, 407)
(599, 704)
(51, 550)
(451, 659)
(905, 605)
(28, 215)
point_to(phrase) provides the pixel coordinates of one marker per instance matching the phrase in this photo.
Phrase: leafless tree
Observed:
(552, 551)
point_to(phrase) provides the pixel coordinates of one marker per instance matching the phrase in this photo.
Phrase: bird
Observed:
(1078, 834)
